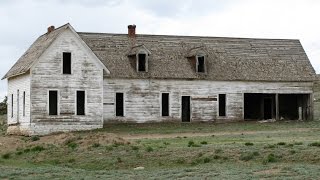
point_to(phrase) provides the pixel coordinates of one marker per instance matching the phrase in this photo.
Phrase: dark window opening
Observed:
(119, 104)
(185, 114)
(141, 62)
(81, 102)
(53, 102)
(165, 104)
(24, 103)
(222, 105)
(201, 64)
(66, 63)
(12, 105)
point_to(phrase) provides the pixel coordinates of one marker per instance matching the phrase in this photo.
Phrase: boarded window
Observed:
(12, 105)
(24, 104)
(66, 63)
(142, 62)
(201, 64)
(53, 102)
(165, 104)
(222, 105)
(80, 102)
(119, 104)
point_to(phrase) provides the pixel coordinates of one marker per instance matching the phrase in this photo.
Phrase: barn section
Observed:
(142, 100)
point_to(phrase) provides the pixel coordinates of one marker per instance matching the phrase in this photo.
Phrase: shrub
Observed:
(270, 146)
(19, 152)
(281, 143)
(135, 148)
(316, 144)
(26, 150)
(203, 142)
(149, 149)
(35, 138)
(95, 145)
(206, 160)
(37, 149)
(166, 143)
(248, 144)
(292, 151)
(6, 156)
(192, 144)
(298, 143)
(270, 158)
(119, 160)
(218, 151)
(248, 156)
(216, 157)
(72, 145)
(109, 148)
(181, 161)
(72, 160)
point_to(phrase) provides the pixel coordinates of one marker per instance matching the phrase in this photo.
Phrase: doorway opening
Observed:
(185, 109)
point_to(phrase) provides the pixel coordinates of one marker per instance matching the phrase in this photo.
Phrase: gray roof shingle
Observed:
(171, 57)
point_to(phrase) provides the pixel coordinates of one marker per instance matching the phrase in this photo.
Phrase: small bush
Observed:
(200, 154)
(119, 160)
(37, 149)
(6, 156)
(249, 156)
(166, 143)
(95, 145)
(149, 149)
(192, 144)
(203, 142)
(218, 151)
(269, 146)
(206, 160)
(281, 143)
(72, 160)
(292, 151)
(135, 148)
(316, 144)
(248, 144)
(26, 150)
(35, 138)
(270, 158)
(290, 145)
(298, 143)
(72, 145)
(216, 157)
(181, 161)
(19, 153)
(109, 148)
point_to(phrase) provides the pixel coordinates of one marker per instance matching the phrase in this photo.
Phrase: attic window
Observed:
(141, 63)
(66, 69)
(200, 64)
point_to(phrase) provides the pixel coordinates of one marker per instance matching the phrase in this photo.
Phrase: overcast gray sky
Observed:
(22, 21)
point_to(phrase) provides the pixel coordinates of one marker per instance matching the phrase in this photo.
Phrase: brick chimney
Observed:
(50, 29)
(132, 31)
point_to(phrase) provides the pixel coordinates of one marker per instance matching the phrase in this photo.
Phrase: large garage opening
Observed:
(258, 106)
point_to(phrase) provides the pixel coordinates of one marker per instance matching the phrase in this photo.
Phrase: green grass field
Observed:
(246, 150)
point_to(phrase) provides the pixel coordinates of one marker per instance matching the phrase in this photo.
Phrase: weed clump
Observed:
(203, 142)
(149, 149)
(249, 156)
(206, 160)
(271, 158)
(248, 144)
(315, 144)
(218, 151)
(269, 146)
(281, 143)
(193, 144)
(37, 149)
(72, 145)
(6, 156)
(95, 145)
(35, 138)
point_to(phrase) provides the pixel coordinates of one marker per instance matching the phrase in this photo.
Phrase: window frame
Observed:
(225, 105)
(76, 102)
(123, 104)
(12, 105)
(146, 60)
(58, 102)
(24, 104)
(169, 104)
(204, 63)
(63, 63)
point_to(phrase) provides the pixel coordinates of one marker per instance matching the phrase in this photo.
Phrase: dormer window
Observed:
(201, 64)
(141, 62)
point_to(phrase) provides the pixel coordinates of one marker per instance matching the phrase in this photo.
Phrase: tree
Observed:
(3, 106)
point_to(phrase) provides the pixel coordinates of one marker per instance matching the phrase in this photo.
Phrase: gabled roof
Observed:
(243, 59)
(227, 58)
(31, 56)
(25, 62)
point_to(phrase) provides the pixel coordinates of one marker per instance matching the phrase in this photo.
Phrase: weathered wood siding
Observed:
(47, 75)
(21, 83)
(142, 97)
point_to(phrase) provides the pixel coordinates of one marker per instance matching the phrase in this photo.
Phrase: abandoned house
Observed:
(70, 80)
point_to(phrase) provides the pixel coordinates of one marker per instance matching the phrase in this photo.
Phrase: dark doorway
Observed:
(185, 104)
(53, 102)
(119, 104)
(294, 106)
(259, 106)
(267, 108)
(165, 104)
(81, 102)
(222, 105)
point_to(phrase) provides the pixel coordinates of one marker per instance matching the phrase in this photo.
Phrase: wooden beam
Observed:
(277, 106)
